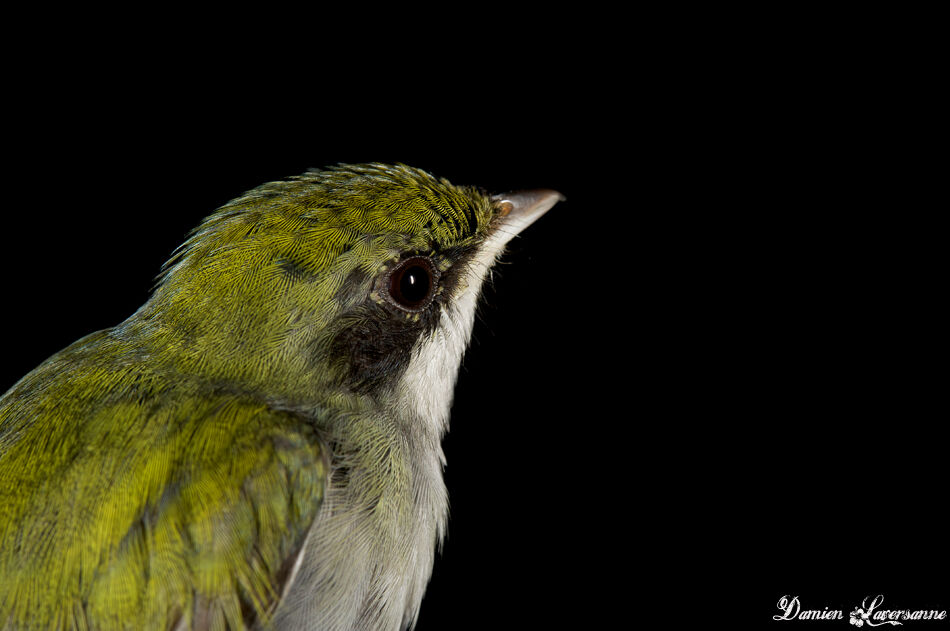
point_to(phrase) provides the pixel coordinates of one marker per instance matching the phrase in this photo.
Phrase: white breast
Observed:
(376, 579)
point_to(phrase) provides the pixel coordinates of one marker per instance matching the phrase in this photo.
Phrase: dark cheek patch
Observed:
(373, 349)
(373, 343)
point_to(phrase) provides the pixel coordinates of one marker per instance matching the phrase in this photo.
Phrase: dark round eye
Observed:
(412, 283)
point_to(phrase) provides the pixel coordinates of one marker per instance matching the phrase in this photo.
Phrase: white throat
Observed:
(428, 384)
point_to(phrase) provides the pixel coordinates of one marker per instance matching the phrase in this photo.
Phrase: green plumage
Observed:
(130, 495)
(164, 474)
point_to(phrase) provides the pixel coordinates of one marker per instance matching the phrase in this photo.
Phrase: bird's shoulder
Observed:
(129, 495)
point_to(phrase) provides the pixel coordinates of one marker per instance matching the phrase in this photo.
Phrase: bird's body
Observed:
(258, 446)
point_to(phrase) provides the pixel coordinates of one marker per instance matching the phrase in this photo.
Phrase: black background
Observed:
(713, 377)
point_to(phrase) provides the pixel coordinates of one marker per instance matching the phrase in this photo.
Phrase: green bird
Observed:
(259, 445)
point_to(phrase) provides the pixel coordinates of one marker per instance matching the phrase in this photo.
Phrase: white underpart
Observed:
(394, 575)
(427, 389)
(429, 381)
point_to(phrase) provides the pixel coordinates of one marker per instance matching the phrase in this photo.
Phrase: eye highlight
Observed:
(412, 283)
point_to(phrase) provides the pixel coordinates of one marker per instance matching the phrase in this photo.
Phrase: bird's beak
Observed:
(518, 210)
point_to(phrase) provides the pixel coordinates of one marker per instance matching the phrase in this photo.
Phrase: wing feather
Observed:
(184, 514)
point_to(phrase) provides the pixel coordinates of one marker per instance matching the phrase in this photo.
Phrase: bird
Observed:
(259, 445)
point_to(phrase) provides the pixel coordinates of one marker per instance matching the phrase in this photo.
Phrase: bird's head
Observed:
(360, 279)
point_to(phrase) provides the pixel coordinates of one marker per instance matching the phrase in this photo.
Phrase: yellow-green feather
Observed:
(164, 496)
(153, 472)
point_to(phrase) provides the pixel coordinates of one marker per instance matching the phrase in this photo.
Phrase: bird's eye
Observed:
(412, 283)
